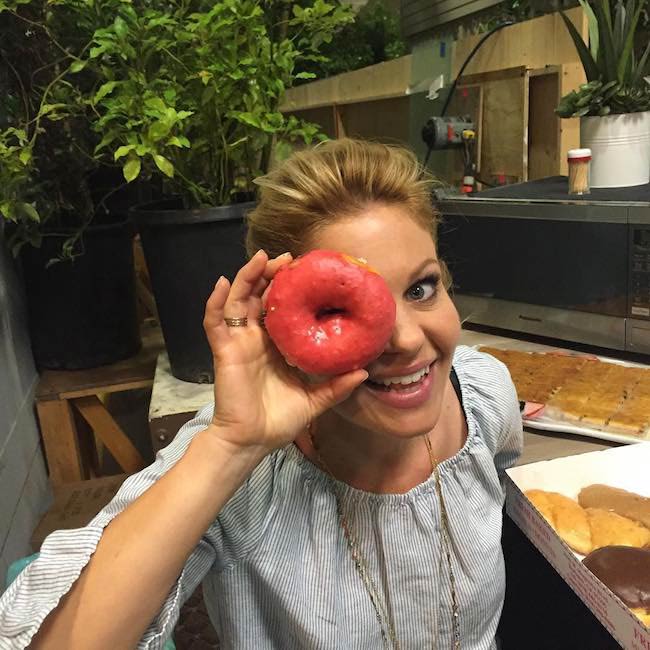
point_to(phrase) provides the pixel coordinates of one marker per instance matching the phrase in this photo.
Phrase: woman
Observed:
(363, 511)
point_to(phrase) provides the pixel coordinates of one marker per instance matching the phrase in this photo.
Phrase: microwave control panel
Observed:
(640, 273)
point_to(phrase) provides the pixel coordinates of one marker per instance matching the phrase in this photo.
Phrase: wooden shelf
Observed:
(74, 422)
(135, 372)
(386, 80)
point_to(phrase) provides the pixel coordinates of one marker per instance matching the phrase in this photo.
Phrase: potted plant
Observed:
(59, 203)
(189, 94)
(614, 104)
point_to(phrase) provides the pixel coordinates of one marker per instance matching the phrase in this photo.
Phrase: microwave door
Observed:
(558, 277)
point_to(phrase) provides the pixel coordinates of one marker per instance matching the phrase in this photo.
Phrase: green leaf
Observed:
(6, 210)
(247, 118)
(30, 211)
(104, 89)
(155, 103)
(49, 108)
(606, 13)
(588, 63)
(607, 51)
(164, 165)
(159, 130)
(593, 28)
(97, 51)
(619, 27)
(627, 53)
(305, 75)
(283, 150)
(181, 141)
(131, 168)
(25, 156)
(120, 27)
(640, 71)
(106, 140)
(77, 66)
(123, 151)
(205, 76)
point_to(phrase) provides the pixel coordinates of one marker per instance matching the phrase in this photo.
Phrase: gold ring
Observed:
(236, 322)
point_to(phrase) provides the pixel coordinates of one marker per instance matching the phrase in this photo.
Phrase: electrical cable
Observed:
(426, 158)
(494, 30)
(470, 56)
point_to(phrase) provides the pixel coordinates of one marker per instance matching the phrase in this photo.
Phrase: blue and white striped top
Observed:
(276, 569)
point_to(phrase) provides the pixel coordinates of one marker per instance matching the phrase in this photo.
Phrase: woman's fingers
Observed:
(328, 394)
(214, 325)
(241, 299)
(243, 286)
(272, 267)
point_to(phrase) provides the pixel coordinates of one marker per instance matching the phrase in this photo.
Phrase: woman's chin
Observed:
(404, 427)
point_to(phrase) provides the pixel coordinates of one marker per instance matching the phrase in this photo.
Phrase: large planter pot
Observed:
(186, 252)
(620, 148)
(82, 313)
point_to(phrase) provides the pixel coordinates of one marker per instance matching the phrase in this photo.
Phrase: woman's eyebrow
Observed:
(417, 274)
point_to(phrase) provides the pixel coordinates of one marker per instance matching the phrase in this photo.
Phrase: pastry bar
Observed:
(582, 390)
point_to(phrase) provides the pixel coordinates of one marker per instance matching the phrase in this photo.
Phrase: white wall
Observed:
(24, 489)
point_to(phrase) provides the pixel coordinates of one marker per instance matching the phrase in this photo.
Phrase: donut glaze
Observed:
(329, 313)
(625, 570)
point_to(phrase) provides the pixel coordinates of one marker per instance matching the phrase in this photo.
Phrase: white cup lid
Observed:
(579, 153)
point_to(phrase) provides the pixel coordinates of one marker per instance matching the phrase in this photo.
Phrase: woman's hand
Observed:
(260, 402)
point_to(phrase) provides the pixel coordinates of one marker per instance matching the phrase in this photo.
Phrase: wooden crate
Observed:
(519, 135)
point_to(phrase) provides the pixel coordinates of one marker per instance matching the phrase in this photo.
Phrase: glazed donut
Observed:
(329, 313)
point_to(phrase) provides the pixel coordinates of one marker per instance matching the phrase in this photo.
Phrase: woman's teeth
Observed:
(404, 380)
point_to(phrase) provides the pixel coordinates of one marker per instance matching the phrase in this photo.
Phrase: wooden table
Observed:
(68, 399)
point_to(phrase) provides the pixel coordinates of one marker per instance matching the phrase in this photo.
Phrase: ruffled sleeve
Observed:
(64, 553)
(494, 404)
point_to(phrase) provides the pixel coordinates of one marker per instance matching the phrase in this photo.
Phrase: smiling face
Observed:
(417, 360)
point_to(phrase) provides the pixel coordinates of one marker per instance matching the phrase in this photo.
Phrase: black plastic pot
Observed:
(82, 313)
(186, 252)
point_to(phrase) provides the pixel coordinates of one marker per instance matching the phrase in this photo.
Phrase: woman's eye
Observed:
(423, 290)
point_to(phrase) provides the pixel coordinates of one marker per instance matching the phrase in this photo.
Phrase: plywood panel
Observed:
(380, 81)
(543, 125)
(572, 76)
(385, 120)
(533, 43)
(504, 129)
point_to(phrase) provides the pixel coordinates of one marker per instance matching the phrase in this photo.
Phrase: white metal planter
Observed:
(620, 146)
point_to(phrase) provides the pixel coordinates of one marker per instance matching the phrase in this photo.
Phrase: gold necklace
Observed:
(381, 612)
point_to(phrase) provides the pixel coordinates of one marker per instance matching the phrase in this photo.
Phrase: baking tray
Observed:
(547, 423)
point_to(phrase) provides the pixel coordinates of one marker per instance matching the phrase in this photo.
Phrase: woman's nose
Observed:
(407, 336)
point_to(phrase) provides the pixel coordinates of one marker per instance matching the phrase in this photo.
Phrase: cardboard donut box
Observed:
(626, 467)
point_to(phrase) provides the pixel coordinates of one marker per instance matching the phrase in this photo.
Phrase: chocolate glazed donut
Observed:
(626, 571)
(329, 313)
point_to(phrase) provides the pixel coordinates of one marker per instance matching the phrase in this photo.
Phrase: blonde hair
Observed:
(334, 180)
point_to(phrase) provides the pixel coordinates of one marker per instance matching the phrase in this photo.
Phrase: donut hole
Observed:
(326, 313)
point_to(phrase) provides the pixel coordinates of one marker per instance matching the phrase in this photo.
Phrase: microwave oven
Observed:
(530, 258)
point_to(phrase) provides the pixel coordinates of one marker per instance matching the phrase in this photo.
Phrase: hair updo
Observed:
(336, 179)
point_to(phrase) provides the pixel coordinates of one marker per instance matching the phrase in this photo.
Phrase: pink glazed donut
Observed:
(329, 313)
